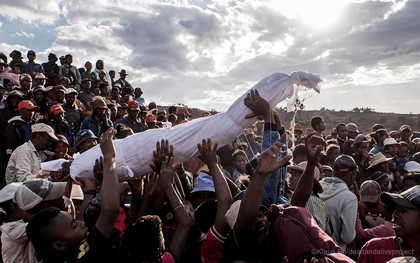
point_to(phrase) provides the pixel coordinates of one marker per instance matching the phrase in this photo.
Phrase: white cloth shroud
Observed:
(135, 153)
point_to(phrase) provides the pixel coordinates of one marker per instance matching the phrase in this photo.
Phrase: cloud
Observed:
(207, 53)
(24, 34)
(31, 11)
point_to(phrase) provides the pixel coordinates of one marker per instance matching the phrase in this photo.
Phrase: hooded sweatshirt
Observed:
(342, 207)
(15, 244)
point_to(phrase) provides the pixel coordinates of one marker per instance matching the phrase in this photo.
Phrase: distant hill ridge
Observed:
(363, 120)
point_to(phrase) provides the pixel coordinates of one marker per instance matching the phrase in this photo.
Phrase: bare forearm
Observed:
(304, 187)
(110, 193)
(250, 202)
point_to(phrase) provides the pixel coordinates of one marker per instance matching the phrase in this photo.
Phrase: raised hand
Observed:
(106, 144)
(207, 153)
(167, 171)
(163, 149)
(150, 183)
(268, 161)
(257, 104)
(313, 147)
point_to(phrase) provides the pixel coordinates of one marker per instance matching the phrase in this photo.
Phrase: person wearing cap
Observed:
(406, 225)
(70, 71)
(60, 125)
(74, 109)
(18, 130)
(51, 69)
(17, 59)
(40, 79)
(13, 100)
(378, 138)
(85, 95)
(373, 220)
(340, 201)
(352, 130)
(371, 211)
(85, 139)
(26, 85)
(124, 83)
(28, 198)
(31, 67)
(64, 239)
(406, 134)
(59, 94)
(40, 100)
(182, 115)
(391, 146)
(151, 121)
(25, 161)
(314, 204)
(137, 96)
(99, 122)
(132, 119)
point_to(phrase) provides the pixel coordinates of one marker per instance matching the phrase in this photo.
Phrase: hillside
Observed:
(364, 120)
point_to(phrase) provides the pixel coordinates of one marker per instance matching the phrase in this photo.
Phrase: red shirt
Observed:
(212, 247)
(379, 250)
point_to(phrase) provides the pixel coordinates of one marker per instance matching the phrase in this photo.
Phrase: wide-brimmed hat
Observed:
(390, 141)
(123, 72)
(377, 159)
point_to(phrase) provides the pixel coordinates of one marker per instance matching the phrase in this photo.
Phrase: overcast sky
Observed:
(207, 53)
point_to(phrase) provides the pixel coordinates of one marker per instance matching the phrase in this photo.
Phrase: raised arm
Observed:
(224, 198)
(267, 163)
(306, 182)
(110, 193)
(183, 220)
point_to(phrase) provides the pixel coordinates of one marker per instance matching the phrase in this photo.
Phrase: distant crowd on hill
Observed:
(274, 194)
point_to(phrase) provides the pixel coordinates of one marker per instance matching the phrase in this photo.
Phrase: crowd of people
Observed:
(274, 194)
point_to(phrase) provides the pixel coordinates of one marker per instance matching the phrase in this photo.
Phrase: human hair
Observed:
(40, 235)
(315, 121)
(122, 131)
(330, 149)
(144, 239)
(237, 153)
(340, 125)
(171, 109)
(172, 117)
(379, 133)
(299, 151)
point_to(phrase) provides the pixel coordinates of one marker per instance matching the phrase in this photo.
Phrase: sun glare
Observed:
(318, 14)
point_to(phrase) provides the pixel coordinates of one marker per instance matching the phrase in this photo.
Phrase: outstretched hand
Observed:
(257, 104)
(268, 161)
(167, 171)
(163, 149)
(314, 144)
(107, 146)
(207, 153)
